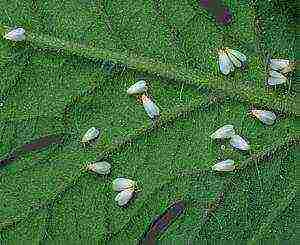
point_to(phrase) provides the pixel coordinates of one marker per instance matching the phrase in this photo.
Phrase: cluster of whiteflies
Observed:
(125, 187)
(230, 58)
(150, 107)
(228, 132)
(236, 141)
(278, 69)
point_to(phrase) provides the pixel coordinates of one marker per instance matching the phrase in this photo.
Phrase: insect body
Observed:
(227, 131)
(238, 142)
(90, 135)
(279, 67)
(126, 189)
(150, 107)
(230, 58)
(16, 35)
(137, 88)
(99, 167)
(224, 166)
(267, 117)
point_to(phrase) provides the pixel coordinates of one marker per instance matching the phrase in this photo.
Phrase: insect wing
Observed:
(16, 35)
(121, 184)
(234, 60)
(279, 64)
(238, 55)
(124, 197)
(238, 142)
(227, 131)
(224, 166)
(225, 63)
(137, 88)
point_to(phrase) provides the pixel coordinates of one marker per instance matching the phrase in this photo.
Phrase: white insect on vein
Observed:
(227, 131)
(224, 166)
(99, 167)
(230, 58)
(137, 88)
(278, 69)
(150, 107)
(90, 135)
(126, 189)
(267, 117)
(16, 35)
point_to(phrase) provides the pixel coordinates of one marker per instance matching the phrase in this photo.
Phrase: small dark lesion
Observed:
(36, 144)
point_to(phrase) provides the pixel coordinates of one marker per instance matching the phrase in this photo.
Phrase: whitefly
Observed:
(230, 58)
(137, 88)
(267, 117)
(238, 142)
(150, 107)
(120, 184)
(100, 167)
(224, 166)
(276, 78)
(281, 65)
(225, 132)
(90, 135)
(16, 35)
(124, 196)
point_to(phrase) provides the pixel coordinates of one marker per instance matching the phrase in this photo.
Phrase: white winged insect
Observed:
(230, 58)
(267, 117)
(278, 67)
(124, 196)
(137, 88)
(224, 166)
(126, 189)
(238, 142)
(16, 35)
(281, 65)
(99, 167)
(150, 107)
(227, 131)
(276, 78)
(90, 135)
